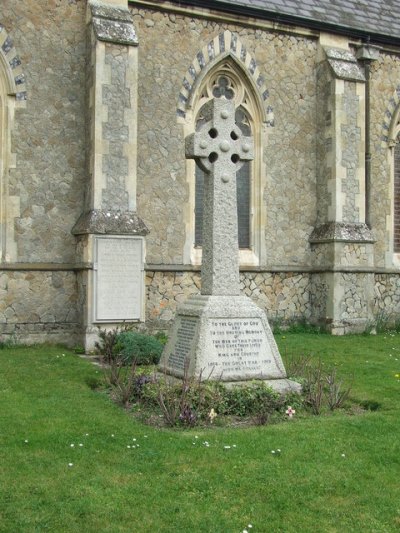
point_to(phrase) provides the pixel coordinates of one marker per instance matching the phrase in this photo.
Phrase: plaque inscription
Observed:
(119, 279)
(237, 347)
(184, 342)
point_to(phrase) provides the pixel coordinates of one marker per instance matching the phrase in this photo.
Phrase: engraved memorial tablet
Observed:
(118, 287)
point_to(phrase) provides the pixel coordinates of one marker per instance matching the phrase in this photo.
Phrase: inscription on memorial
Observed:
(238, 347)
(119, 279)
(184, 342)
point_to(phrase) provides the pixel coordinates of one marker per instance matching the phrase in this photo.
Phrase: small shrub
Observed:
(336, 394)
(106, 346)
(144, 349)
(256, 400)
(321, 388)
(122, 380)
(190, 401)
(123, 345)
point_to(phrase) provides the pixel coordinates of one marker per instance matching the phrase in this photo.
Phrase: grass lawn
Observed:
(337, 473)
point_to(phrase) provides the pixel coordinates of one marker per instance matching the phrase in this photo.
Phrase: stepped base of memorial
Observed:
(224, 338)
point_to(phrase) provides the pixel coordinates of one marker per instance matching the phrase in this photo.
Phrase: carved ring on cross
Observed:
(220, 145)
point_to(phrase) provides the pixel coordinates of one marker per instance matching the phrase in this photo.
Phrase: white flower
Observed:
(227, 447)
(80, 444)
(212, 415)
(70, 464)
(72, 445)
(343, 455)
(26, 441)
(290, 411)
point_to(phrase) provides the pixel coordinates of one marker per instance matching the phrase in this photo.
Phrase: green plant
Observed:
(122, 381)
(106, 346)
(336, 393)
(162, 337)
(144, 349)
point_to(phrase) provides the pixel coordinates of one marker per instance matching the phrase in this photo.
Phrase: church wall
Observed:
(48, 139)
(41, 284)
(293, 166)
(385, 79)
(385, 82)
(288, 64)
(285, 296)
(46, 179)
(39, 307)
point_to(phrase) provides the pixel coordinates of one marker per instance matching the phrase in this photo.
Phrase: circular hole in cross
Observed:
(234, 136)
(213, 157)
(235, 158)
(213, 133)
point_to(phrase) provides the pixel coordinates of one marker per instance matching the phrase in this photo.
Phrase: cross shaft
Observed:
(220, 148)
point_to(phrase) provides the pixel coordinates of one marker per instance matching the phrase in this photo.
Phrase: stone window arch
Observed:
(227, 78)
(396, 196)
(12, 95)
(393, 140)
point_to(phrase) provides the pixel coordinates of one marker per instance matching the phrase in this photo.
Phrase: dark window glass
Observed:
(396, 236)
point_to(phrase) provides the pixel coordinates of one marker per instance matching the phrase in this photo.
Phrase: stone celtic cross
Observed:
(220, 148)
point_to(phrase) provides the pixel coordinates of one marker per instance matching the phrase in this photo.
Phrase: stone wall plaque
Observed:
(118, 280)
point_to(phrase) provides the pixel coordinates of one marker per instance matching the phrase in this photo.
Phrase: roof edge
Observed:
(283, 18)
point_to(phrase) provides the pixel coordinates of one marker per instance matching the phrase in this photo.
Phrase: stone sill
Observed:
(276, 269)
(76, 267)
(46, 266)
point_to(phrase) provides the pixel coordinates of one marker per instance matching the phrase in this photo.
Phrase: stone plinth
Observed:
(224, 338)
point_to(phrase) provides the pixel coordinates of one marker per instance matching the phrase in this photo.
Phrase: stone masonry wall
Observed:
(385, 76)
(387, 296)
(351, 135)
(288, 65)
(39, 307)
(116, 97)
(49, 133)
(284, 296)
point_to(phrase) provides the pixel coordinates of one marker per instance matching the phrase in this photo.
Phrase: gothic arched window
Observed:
(227, 80)
(396, 191)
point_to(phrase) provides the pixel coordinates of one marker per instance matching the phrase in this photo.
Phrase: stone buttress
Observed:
(110, 234)
(342, 242)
